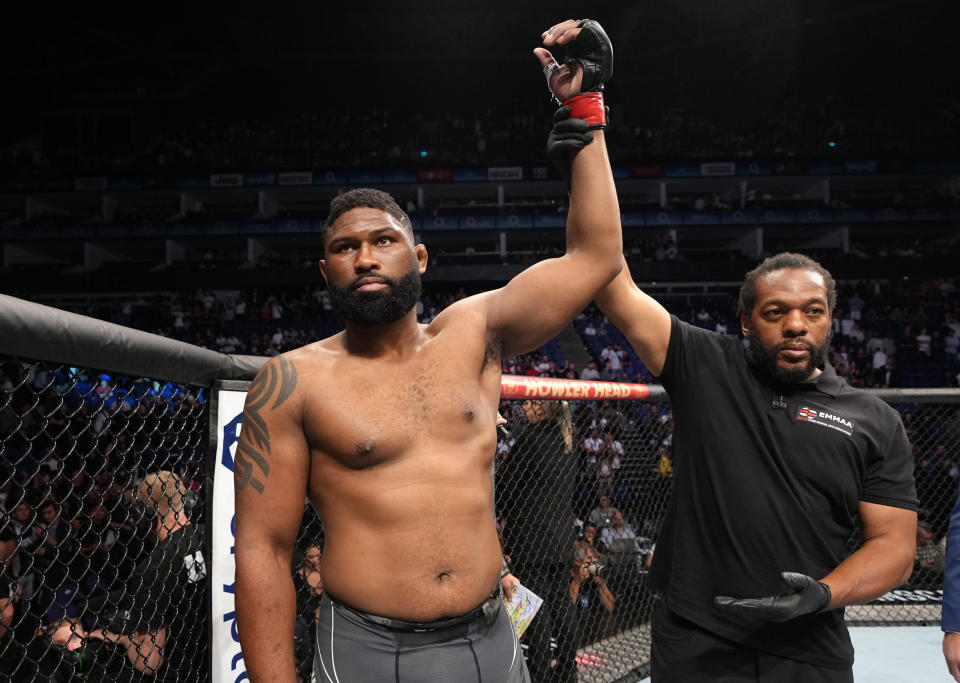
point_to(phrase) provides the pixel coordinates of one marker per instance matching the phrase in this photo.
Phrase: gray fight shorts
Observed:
(357, 647)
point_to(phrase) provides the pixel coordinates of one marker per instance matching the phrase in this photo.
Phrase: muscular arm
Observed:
(536, 305)
(643, 321)
(270, 479)
(885, 559)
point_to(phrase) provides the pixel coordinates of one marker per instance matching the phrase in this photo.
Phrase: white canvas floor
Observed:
(896, 654)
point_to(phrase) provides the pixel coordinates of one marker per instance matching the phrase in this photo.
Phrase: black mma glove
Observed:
(568, 137)
(593, 49)
(806, 596)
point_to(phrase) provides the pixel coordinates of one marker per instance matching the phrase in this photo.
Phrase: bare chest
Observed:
(374, 412)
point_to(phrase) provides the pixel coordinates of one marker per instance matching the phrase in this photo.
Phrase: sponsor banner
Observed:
(435, 175)
(815, 216)
(364, 177)
(865, 166)
(540, 173)
(260, 179)
(295, 178)
(86, 184)
(183, 229)
(754, 168)
(505, 173)
(522, 386)
(296, 225)
(470, 175)
(825, 168)
(57, 185)
(226, 658)
(701, 218)
(852, 216)
(632, 219)
(738, 217)
(789, 168)
(515, 220)
(777, 216)
(663, 218)
(645, 170)
(187, 181)
(400, 176)
(890, 215)
(222, 228)
(938, 167)
(124, 184)
(329, 178)
(478, 221)
(682, 171)
(620, 171)
(718, 168)
(910, 597)
(226, 180)
(550, 220)
(258, 228)
(440, 222)
(928, 214)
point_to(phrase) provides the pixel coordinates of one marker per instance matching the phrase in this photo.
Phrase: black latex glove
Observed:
(567, 138)
(806, 595)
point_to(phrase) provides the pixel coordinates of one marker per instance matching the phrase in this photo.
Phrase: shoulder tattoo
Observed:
(276, 383)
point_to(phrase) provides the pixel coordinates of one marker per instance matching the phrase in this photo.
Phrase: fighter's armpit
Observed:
(275, 383)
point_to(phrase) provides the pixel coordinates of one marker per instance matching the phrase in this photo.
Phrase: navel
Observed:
(366, 447)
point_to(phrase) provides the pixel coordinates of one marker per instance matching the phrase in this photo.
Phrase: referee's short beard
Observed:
(764, 358)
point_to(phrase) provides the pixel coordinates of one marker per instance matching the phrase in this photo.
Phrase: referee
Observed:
(774, 459)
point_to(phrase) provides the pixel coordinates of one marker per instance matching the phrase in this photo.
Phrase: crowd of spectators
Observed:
(385, 137)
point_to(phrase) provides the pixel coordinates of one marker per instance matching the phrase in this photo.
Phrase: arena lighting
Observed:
(831, 144)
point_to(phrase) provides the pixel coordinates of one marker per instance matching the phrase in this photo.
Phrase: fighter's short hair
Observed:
(366, 198)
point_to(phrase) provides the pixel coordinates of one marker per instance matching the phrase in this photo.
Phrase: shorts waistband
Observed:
(405, 626)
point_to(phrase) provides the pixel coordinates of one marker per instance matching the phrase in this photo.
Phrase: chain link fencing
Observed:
(102, 579)
(87, 557)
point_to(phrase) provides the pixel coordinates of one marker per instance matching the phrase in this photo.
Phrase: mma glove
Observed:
(593, 50)
(568, 136)
(805, 595)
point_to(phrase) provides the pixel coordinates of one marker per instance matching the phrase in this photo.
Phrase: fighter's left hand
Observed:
(565, 80)
(806, 595)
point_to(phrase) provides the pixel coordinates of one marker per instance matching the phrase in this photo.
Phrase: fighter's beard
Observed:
(764, 358)
(380, 307)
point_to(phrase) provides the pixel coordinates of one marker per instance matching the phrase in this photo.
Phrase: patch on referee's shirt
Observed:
(819, 416)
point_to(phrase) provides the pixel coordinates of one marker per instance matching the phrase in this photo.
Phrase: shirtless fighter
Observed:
(389, 427)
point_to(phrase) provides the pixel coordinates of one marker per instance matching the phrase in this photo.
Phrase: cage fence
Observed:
(581, 488)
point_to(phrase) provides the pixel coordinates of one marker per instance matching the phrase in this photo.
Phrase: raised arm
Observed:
(641, 319)
(270, 479)
(539, 302)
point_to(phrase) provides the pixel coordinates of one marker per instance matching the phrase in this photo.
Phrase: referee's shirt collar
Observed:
(827, 382)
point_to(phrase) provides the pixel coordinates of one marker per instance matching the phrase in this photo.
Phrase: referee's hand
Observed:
(805, 595)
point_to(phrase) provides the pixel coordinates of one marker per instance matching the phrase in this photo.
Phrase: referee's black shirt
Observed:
(768, 478)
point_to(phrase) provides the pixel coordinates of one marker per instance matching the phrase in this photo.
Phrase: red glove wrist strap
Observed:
(589, 107)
